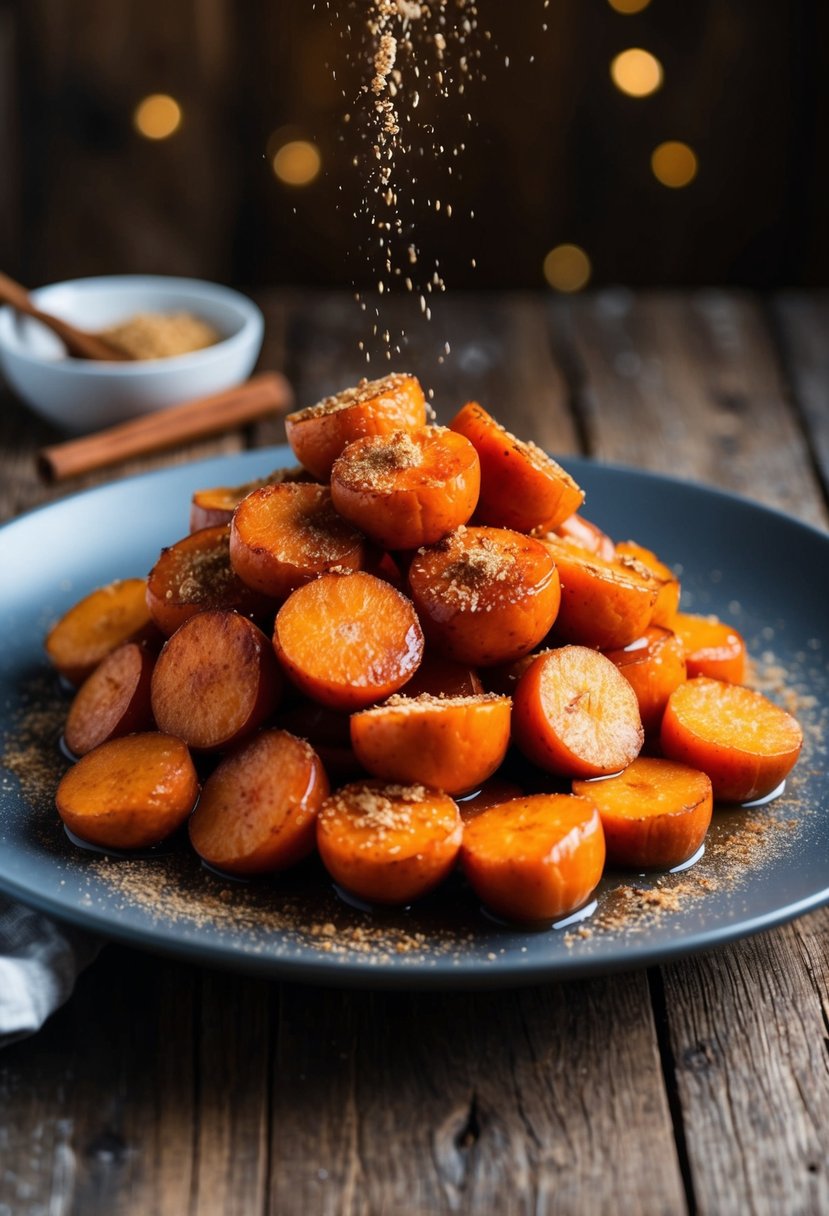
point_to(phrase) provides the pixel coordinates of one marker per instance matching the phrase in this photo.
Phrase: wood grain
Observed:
(696, 386)
(803, 326)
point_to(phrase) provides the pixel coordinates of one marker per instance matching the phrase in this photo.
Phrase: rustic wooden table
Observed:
(163, 1088)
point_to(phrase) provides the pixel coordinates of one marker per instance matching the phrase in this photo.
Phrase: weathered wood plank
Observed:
(536, 1101)
(803, 325)
(690, 385)
(694, 387)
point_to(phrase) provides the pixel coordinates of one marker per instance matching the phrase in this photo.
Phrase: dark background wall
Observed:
(556, 152)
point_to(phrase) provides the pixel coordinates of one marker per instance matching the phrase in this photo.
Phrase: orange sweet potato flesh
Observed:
(535, 858)
(575, 714)
(485, 595)
(215, 681)
(655, 814)
(194, 575)
(442, 677)
(448, 743)
(603, 604)
(577, 530)
(372, 407)
(114, 700)
(388, 844)
(348, 640)
(96, 625)
(745, 743)
(654, 665)
(209, 508)
(129, 793)
(712, 648)
(285, 535)
(521, 486)
(667, 599)
(258, 809)
(409, 488)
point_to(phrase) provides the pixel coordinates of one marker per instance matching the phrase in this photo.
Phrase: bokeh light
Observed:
(628, 6)
(567, 268)
(636, 72)
(674, 164)
(157, 116)
(297, 162)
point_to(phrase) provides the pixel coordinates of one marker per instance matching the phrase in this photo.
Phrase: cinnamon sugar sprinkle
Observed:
(364, 390)
(469, 578)
(374, 466)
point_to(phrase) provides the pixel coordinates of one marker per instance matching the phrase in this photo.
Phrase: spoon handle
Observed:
(78, 343)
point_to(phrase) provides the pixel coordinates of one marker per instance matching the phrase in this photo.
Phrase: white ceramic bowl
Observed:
(82, 395)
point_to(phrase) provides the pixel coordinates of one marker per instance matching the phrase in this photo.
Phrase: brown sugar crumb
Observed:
(424, 699)
(204, 573)
(153, 335)
(475, 570)
(375, 466)
(364, 390)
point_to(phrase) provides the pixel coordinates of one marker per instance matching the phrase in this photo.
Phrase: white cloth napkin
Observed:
(39, 963)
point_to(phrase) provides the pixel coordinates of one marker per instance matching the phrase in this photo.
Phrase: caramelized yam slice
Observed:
(667, 598)
(373, 407)
(603, 604)
(96, 625)
(534, 858)
(113, 701)
(575, 714)
(521, 486)
(485, 595)
(745, 743)
(654, 665)
(195, 575)
(408, 488)
(209, 508)
(388, 844)
(283, 536)
(216, 680)
(257, 812)
(449, 743)
(655, 814)
(712, 648)
(129, 793)
(578, 531)
(348, 640)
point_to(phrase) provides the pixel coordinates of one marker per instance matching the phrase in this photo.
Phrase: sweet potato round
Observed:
(129, 793)
(257, 812)
(98, 624)
(216, 680)
(113, 701)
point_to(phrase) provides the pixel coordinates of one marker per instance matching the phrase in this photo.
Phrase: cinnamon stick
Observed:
(266, 394)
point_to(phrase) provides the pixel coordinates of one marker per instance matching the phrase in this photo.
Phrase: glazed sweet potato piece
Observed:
(98, 624)
(388, 844)
(745, 743)
(577, 530)
(535, 858)
(521, 486)
(209, 508)
(408, 488)
(348, 640)
(575, 714)
(114, 700)
(283, 536)
(603, 604)
(655, 814)
(485, 595)
(442, 677)
(667, 598)
(195, 575)
(216, 681)
(654, 665)
(373, 407)
(712, 648)
(258, 809)
(448, 743)
(129, 793)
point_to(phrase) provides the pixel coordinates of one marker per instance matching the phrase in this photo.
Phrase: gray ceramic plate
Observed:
(767, 574)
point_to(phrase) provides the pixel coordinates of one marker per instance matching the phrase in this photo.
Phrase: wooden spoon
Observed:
(79, 343)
